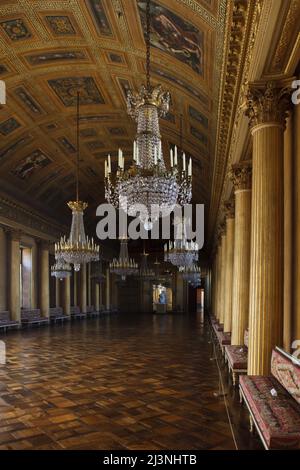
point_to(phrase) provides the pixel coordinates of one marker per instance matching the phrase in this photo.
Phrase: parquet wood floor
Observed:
(121, 382)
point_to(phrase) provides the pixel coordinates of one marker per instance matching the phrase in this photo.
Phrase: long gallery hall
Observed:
(149, 225)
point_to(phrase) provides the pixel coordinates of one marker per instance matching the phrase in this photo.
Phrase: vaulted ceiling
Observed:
(50, 49)
(201, 53)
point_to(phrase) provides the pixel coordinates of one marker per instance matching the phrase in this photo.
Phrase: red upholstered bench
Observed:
(237, 358)
(223, 339)
(274, 402)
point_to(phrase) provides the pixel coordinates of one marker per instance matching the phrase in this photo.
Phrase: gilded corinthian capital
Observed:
(241, 175)
(268, 103)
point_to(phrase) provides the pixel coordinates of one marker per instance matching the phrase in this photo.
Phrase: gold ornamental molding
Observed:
(244, 24)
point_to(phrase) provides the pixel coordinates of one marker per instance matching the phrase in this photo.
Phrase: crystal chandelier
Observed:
(123, 266)
(181, 252)
(148, 182)
(78, 248)
(190, 273)
(60, 269)
(145, 271)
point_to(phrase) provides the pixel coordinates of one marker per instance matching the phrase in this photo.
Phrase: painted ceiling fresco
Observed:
(50, 50)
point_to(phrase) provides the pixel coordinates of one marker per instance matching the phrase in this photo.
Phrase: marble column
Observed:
(288, 236)
(83, 289)
(267, 108)
(67, 296)
(229, 211)
(14, 290)
(296, 244)
(3, 269)
(241, 178)
(45, 280)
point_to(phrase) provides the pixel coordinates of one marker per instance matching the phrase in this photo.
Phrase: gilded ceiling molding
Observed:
(245, 21)
(17, 214)
(282, 51)
(241, 175)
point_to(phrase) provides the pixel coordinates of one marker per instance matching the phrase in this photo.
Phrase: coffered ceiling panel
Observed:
(51, 49)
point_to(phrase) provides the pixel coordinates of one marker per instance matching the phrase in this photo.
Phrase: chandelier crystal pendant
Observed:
(61, 270)
(97, 275)
(148, 181)
(191, 273)
(78, 249)
(123, 266)
(181, 252)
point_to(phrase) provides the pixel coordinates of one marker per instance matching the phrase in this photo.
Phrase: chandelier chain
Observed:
(148, 44)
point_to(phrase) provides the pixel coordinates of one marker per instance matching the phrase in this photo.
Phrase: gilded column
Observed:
(3, 269)
(75, 289)
(241, 178)
(97, 296)
(34, 275)
(107, 290)
(221, 301)
(45, 281)
(89, 284)
(288, 236)
(83, 289)
(57, 292)
(296, 246)
(14, 291)
(229, 211)
(67, 296)
(267, 108)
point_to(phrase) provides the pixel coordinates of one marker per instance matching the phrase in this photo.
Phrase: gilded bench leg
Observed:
(241, 396)
(251, 424)
(234, 377)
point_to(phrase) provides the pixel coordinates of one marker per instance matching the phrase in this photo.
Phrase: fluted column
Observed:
(3, 269)
(44, 283)
(97, 296)
(75, 288)
(83, 289)
(229, 211)
(57, 292)
(296, 245)
(222, 278)
(107, 289)
(34, 275)
(218, 276)
(241, 178)
(67, 295)
(89, 285)
(288, 237)
(14, 291)
(266, 109)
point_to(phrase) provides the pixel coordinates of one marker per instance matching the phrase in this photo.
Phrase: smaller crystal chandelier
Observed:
(181, 252)
(145, 271)
(61, 270)
(123, 266)
(190, 273)
(77, 249)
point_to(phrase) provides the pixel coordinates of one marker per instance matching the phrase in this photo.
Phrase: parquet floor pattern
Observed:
(120, 382)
